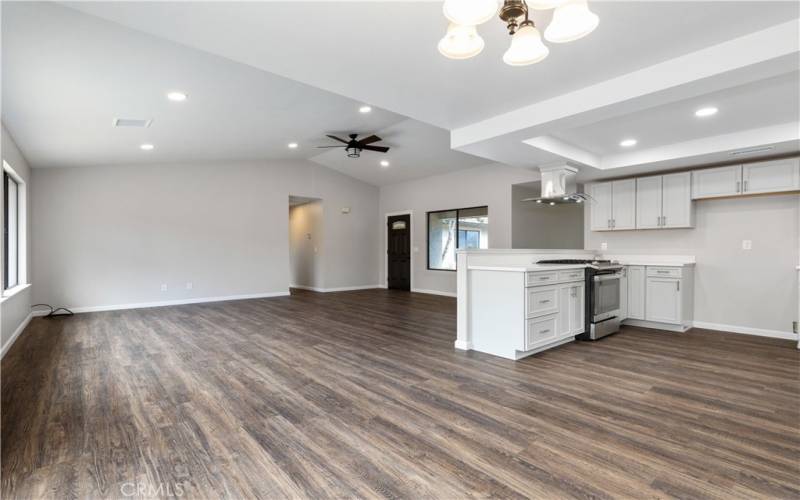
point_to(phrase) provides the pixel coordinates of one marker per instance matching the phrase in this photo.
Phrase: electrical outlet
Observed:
(163, 287)
(189, 285)
(604, 246)
(794, 326)
(747, 244)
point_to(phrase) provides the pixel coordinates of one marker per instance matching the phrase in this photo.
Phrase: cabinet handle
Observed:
(679, 285)
(544, 331)
(745, 187)
(737, 186)
(609, 223)
(544, 301)
(663, 220)
(663, 272)
(544, 277)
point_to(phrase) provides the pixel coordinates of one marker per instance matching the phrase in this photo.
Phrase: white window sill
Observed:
(7, 294)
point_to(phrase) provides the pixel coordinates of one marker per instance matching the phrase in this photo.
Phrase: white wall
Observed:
(305, 245)
(112, 235)
(542, 226)
(14, 310)
(755, 288)
(487, 185)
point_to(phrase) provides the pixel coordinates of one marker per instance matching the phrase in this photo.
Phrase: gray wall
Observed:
(16, 308)
(538, 226)
(487, 185)
(751, 288)
(112, 235)
(305, 244)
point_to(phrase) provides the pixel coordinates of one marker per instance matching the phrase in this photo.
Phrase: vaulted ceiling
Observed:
(260, 74)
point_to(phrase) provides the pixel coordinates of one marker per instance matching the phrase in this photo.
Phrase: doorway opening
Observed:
(398, 251)
(305, 243)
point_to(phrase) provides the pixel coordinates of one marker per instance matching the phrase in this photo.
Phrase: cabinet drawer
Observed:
(571, 275)
(541, 300)
(540, 330)
(542, 278)
(664, 272)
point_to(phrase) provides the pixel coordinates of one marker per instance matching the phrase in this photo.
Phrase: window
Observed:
(449, 230)
(10, 232)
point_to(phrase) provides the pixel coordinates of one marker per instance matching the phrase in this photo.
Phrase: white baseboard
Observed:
(16, 334)
(337, 289)
(777, 334)
(463, 345)
(433, 292)
(176, 302)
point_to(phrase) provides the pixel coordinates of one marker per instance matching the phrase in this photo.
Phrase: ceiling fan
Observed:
(354, 146)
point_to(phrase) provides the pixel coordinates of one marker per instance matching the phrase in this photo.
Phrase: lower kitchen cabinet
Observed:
(660, 297)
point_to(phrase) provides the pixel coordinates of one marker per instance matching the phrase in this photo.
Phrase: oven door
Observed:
(606, 296)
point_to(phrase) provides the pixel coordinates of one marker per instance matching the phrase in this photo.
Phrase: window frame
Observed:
(428, 233)
(6, 219)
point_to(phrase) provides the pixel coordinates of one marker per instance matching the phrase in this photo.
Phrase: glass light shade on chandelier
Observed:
(461, 42)
(526, 47)
(571, 20)
(470, 12)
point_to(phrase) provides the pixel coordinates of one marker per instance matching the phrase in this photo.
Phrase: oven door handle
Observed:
(606, 277)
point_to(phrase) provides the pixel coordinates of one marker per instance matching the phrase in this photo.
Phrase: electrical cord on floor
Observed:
(54, 311)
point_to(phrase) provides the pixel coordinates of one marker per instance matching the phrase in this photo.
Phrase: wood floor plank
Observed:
(361, 395)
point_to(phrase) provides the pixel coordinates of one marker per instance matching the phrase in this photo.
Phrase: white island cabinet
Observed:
(519, 311)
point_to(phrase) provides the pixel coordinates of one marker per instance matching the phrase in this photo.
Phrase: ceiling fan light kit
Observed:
(571, 20)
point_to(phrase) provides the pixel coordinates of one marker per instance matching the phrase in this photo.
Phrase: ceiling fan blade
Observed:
(337, 139)
(319, 147)
(380, 149)
(369, 140)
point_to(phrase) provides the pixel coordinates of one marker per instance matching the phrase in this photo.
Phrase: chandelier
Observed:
(571, 20)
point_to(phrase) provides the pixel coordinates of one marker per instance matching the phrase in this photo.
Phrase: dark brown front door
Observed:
(398, 252)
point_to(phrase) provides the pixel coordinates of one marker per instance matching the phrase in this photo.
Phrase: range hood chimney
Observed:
(559, 186)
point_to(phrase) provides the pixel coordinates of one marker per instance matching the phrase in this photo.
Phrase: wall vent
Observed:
(132, 122)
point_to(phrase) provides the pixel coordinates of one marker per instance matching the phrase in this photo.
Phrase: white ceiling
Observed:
(261, 74)
(385, 52)
(754, 105)
(67, 75)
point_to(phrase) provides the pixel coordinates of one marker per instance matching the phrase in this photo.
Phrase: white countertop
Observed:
(666, 263)
(532, 267)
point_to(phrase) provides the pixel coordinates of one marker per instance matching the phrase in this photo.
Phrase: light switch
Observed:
(416, 249)
(747, 244)
(163, 287)
(189, 285)
(604, 246)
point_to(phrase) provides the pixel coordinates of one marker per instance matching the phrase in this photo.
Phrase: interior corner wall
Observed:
(14, 310)
(536, 225)
(110, 236)
(305, 245)
(745, 288)
(488, 185)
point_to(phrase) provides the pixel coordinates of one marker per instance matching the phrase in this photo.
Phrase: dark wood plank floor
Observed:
(361, 394)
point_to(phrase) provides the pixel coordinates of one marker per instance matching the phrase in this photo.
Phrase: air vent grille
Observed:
(132, 122)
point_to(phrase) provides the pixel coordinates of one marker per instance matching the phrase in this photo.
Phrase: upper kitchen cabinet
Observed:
(771, 176)
(776, 176)
(664, 201)
(716, 182)
(613, 205)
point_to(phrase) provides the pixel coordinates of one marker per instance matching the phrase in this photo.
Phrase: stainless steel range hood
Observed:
(559, 186)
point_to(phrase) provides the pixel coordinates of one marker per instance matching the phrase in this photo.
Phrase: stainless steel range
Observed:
(602, 296)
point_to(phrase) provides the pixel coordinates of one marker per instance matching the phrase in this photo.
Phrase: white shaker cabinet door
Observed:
(677, 208)
(648, 202)
(663, 300)
(636, 292)
(623, 204)
(716, 182)
(771, 176)
(600, 206)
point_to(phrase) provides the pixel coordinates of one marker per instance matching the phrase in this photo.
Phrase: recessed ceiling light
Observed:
(146, 147)
(292, 145)
(384, 163)
(703, 112)
(365, 109)
(627, 143)
(176, 96)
